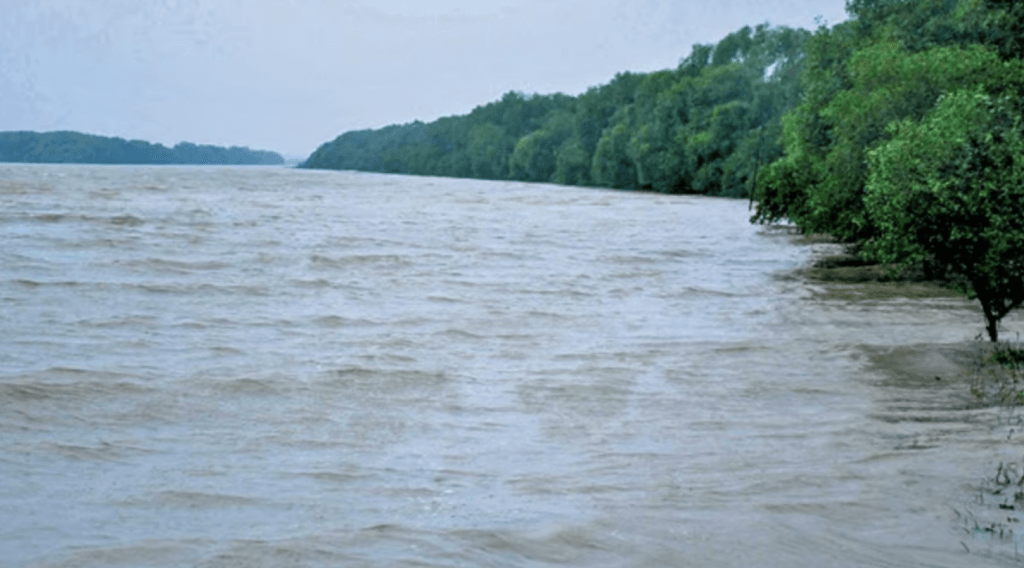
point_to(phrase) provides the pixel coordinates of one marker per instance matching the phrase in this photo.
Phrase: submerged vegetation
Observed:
(77, 148)
(999, 378)
(900, 131)
(997, 381)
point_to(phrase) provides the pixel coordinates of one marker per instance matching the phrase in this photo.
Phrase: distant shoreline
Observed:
(69, 147)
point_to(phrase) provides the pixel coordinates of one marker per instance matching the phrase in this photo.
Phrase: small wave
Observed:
(353, 373)
(386, 380)
(205, 323)
(244, 386)
(37, 283)
(25, 188)
(154, 287)
(446, 299)
(240, 290)
(200, 499)
(348, 242)
(316, 283)
(174, 265)
(226, 350)
(105, 194)
(333, 477)
(74, 391)
(125, 221)
(49, 217)
(103, 451)
(559, 292)
(116, 322)
(162, 288)
(637, 274)
(357, 259)
(388, 359)
(538, 314)
(117, 220)
(632, 259)
(68, 384)
(339, 321)
(461, 334)
(686, 291)
(151, 553)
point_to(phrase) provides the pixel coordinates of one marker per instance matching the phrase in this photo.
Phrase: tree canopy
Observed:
(703, 127)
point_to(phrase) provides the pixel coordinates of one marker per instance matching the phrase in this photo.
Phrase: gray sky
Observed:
(288, 75)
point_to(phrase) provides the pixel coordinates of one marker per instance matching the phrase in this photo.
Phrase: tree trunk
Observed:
(990, 326)
(991, 319)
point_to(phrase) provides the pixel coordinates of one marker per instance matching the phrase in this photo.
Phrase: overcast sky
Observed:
(288, 75)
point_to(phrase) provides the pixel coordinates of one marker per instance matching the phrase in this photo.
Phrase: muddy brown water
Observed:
(270, 367)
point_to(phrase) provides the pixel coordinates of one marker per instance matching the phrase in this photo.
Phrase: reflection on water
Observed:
(266, 367)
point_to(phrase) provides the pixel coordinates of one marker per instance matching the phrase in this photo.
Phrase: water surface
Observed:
(269, 367)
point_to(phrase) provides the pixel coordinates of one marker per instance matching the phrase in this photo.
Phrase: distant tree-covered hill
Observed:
(77, 148)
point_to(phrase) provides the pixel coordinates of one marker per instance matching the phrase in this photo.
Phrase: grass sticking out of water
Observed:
(999, 377)
(997, 381)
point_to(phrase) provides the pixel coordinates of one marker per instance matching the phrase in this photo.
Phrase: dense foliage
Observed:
(949, 190)
(908, 140)
(704, 127)
(78, 148)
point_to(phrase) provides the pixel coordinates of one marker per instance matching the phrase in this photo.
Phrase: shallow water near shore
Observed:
(269, 367)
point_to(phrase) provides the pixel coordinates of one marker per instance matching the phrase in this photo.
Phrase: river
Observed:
(227, 366)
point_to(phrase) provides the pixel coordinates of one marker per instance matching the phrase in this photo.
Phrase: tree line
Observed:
(899, 131)
(77, 148)
(703, 127)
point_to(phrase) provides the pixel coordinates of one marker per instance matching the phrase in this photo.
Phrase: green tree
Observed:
(658, 145)
(704, 131)
(489, 151)
(710, 149)
(572, 163)
(611, 165)
(949, 189)
(533, 158)
(595, 107)
(851, 97)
